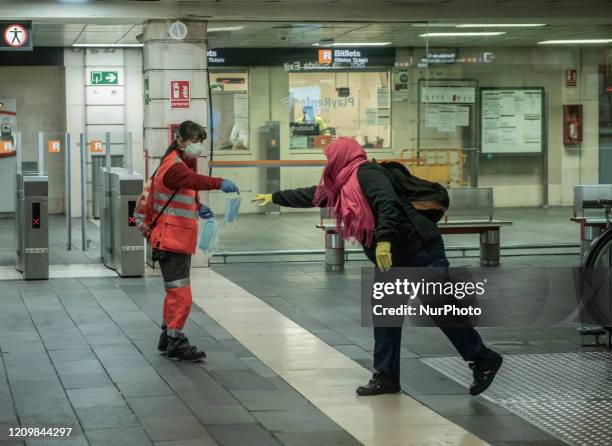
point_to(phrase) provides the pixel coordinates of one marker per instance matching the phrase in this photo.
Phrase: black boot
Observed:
(484, 371)
(180, 348)
(378, 385)
(162, 345)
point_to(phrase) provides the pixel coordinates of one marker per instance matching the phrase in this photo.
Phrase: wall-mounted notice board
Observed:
(512, 120)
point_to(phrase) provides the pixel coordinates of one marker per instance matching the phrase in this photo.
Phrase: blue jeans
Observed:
(388, 340)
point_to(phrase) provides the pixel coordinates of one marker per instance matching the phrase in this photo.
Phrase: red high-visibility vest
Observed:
(177, 227)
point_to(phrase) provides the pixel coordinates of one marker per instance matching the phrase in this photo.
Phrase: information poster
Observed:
(512, 120)
(382, 97)
(447, 117)
(371, 116)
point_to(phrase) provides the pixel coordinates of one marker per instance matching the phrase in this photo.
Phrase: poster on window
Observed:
(446, 117)
(512, 120)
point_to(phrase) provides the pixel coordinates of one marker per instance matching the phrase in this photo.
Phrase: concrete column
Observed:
(166, 60)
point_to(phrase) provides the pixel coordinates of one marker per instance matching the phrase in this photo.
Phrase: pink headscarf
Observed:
(340, 186)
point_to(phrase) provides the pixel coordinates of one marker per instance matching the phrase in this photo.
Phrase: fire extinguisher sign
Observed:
(180, 94)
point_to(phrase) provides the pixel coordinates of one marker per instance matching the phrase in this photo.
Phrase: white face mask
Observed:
(194, 150)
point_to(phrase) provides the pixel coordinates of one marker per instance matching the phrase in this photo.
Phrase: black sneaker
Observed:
(162, 345)
(378, 385)
(484, 372)
(180, 348)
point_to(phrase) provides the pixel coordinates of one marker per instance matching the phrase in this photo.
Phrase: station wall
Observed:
(98, 109)
(40, 95)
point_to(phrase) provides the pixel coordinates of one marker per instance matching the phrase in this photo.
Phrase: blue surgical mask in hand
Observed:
(232, 205)
(209, 236)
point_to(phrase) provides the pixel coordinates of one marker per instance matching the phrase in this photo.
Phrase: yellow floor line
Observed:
(322, 374)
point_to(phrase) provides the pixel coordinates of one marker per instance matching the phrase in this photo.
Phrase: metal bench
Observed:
(470, 212)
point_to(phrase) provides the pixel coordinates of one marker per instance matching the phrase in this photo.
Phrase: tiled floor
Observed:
(81, 353)
(327, 305)
(567, 394)
(321, 373)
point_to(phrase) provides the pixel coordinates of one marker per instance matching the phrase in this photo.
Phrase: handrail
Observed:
(347, 251)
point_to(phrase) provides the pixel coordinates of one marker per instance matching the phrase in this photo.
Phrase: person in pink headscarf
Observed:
(392, 233)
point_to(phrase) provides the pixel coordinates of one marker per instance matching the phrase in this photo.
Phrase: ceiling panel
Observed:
(287, 34)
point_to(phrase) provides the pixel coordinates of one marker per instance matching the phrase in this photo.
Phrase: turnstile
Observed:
(32, 226)
(97, 162)
(103, 194)
(122, 244)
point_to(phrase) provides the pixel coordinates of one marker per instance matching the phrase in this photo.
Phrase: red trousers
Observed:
(177, 303)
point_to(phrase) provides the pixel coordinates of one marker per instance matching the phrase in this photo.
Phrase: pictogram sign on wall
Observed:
(180, 94)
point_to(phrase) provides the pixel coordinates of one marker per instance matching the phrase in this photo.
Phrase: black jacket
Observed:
(396, 220)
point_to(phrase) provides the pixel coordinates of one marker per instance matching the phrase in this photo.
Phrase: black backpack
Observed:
(428, 198)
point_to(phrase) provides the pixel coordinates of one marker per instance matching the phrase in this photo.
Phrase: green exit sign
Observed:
(104, 78)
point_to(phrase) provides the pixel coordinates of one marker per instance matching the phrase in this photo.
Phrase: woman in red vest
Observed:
(175, 195)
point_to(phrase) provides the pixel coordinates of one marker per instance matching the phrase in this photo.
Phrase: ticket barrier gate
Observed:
(32, 226)
(121, 244)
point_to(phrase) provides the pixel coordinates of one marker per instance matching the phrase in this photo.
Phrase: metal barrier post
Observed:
(41, 154)
(489, 248)
(83, 193)
(334, 250)
(68, 191)
(334, 243)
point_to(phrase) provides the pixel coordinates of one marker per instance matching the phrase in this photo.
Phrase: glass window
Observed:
(326, 105)
(230, 110)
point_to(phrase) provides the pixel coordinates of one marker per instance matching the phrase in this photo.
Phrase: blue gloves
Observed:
(205, 212)
(227, 186)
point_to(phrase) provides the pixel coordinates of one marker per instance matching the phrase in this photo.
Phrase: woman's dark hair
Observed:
(187, 131)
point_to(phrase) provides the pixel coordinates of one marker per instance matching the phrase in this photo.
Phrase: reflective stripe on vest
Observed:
(176, 212)
(179, 198)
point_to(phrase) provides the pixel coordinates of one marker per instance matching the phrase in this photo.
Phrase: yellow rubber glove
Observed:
(265, 199)
(383, 256)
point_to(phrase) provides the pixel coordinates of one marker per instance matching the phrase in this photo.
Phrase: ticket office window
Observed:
(230, 110)
(326, 105)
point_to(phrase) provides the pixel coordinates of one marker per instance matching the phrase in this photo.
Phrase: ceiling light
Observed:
(500, 25)
(574, 41)
(461, 34)
(353, 44)
(225, 28)
(108, 45)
